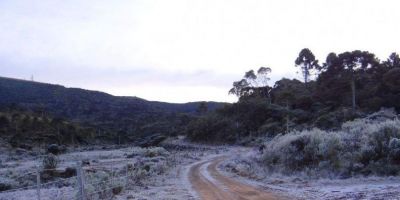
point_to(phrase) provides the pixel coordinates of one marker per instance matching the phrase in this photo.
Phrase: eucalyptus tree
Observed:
(253, 83)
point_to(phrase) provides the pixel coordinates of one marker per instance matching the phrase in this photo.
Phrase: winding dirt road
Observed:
(211, 185)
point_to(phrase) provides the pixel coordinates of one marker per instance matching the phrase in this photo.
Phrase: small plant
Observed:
(102, 185)
(50, 161)
(155, 151)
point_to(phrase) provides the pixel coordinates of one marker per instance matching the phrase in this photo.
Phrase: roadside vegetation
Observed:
(344, 87)
(361, 147)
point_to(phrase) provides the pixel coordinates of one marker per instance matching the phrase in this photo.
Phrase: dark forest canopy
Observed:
(346, 85)
(106, 117)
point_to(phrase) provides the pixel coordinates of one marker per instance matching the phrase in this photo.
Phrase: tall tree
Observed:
(354, 63)
(307, 63)
(263, 78)
(239, 88)
(263, 75)
(253, 84)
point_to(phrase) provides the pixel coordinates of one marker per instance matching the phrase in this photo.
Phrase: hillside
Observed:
(111, 115)
(24, 129)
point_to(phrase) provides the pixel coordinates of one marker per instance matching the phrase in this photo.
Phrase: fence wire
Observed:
(82, 186)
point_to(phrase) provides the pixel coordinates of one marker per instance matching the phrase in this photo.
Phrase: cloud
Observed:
(210, 43)
(61, 72)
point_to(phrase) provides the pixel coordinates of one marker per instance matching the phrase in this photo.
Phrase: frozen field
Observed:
(165, 173)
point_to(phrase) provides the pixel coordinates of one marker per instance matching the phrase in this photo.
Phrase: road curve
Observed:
(212, 185)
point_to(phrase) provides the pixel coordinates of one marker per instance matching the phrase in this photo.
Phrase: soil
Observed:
(212, 185)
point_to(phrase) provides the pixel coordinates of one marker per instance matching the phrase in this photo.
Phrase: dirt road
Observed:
(212, 185)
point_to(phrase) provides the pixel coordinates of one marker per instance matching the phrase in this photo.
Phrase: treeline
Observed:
(343, 87)
(25, 129)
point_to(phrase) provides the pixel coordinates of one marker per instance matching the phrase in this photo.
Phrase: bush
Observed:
(50, 161)
(362, 146)
(102, 185)
(394, 150)
(155, 151)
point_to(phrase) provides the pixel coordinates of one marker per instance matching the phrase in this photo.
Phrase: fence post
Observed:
(127, 175)
(81, 184)
(38, 182)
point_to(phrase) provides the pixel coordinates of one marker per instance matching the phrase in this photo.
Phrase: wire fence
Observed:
(97, 181)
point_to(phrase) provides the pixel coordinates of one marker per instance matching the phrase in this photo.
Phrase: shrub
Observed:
(101, 185)
(362, 146)
(155, 151)
(394, 150)
(50, 161)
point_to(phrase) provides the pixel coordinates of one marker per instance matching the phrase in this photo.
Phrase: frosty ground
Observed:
(168, 176)
(301, 187)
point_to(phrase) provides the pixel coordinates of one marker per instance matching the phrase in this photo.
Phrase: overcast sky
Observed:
(180, 51)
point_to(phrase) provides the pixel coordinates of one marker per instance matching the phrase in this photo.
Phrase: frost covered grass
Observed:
(109, 173)
(361, 147)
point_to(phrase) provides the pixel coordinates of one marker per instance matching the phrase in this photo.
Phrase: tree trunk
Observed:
(287, 117)
(306, 75)
(353, 93)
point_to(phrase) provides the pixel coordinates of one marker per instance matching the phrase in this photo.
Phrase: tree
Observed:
(251, 78)
(307, 63)
(239, 88)
(393, 61)
(263, 75)
(253, 84)
(354, 63)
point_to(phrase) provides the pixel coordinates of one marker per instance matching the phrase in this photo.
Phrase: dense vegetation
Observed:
(344, 87)
(364, 146)
(25, 129)
(109, 118)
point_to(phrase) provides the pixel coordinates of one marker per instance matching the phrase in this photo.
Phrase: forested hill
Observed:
(123, 115)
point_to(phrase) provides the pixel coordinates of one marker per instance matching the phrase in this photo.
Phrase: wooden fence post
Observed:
(81, 184)
(38, 182)
(127, 175)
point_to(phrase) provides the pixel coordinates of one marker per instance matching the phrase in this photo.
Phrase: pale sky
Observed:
(180, 51)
